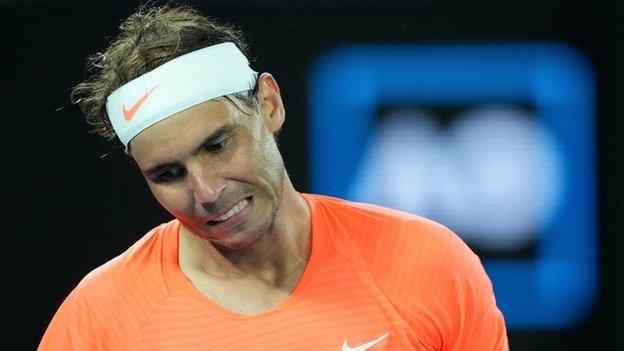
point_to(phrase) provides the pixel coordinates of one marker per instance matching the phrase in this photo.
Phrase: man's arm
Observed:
(477, 323)
(453, 305)
(70, 328)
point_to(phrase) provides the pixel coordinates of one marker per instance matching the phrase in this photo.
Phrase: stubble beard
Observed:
(268, 232)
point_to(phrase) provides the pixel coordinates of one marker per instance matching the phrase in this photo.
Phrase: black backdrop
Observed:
(74, 202)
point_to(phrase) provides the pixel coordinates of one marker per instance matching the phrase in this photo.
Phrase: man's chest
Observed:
(335, 309)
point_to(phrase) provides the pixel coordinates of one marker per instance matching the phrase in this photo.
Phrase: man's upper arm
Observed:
(70, 328)
(452, 306)
(478, 324)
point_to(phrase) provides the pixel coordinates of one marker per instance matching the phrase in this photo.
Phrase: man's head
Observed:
(148, 39)
(217, 160)
(213, 164)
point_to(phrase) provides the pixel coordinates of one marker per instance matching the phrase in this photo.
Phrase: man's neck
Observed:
(277, 259)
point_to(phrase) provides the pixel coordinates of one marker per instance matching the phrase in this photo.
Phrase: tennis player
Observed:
(248, 262)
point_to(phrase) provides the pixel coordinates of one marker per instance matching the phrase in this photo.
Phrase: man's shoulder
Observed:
(396, 246)
(137, 268)
(110, 304)
(365, 222)
(429, 275)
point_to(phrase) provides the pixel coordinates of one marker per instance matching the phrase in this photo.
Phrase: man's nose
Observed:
(206, 185)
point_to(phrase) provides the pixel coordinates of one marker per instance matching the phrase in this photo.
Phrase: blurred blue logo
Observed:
(503, 177)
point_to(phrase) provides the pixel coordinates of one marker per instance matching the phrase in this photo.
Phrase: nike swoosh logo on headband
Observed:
(129, 113)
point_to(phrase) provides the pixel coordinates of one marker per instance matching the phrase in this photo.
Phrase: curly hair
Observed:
(149, 38)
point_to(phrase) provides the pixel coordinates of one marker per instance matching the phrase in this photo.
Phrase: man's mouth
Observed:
(232, 212)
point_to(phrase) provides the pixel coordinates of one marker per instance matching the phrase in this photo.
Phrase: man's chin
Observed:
(239, 244)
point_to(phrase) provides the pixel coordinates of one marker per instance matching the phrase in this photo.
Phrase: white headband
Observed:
(181, 83)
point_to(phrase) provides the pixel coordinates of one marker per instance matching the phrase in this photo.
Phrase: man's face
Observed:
(216, 169)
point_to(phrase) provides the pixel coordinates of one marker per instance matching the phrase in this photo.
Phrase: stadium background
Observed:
(74, 202)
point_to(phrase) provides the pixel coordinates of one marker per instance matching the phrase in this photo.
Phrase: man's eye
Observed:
(215, 147)
(168, 174)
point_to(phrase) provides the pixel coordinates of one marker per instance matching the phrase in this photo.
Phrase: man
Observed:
(249, 263)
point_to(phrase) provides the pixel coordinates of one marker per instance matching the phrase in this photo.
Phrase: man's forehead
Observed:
(183, 132)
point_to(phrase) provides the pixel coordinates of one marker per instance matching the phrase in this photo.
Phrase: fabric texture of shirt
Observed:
(376, 278)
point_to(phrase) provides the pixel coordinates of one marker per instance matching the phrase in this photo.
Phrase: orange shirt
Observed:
(377, 279)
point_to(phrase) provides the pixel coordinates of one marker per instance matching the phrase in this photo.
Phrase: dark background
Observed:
(70, 208)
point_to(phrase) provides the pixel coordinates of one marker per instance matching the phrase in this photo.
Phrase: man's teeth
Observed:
(236, 209)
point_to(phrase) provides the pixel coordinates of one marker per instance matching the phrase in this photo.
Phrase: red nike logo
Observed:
(129, 113)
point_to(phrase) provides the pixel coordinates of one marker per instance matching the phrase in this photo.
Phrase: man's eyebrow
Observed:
(215, 136)
(211, 139)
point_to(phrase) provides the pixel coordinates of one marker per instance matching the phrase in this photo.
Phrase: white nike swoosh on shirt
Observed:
(345, 346)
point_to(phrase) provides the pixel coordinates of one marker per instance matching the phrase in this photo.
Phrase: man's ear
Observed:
(270, 102)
